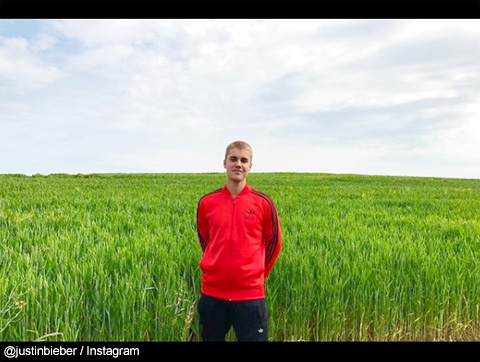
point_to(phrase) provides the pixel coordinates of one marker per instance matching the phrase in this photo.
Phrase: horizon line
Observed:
(80, 174)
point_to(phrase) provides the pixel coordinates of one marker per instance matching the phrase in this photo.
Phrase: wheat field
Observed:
(114, 257)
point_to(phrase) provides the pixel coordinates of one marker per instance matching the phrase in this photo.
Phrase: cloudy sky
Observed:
(379, 97)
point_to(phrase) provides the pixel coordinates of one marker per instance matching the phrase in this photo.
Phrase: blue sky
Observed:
(380, 97)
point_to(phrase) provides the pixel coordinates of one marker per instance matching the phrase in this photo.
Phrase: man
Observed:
(240, 236)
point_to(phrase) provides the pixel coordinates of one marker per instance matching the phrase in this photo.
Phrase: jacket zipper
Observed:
(230, 259)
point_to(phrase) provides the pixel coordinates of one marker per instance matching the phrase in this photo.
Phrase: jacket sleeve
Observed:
(202, 225)
(272, 235)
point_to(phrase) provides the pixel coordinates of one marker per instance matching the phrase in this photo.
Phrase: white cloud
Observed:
(460, 141)
(42, 42)
(355, 96)
(92, 33)
(21, 65)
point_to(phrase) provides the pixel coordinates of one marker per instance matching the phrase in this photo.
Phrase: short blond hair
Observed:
(241, 146)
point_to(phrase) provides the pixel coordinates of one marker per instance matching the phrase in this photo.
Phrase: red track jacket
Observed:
(241, 239)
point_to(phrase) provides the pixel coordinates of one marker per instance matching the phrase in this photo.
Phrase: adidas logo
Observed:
(260, 330)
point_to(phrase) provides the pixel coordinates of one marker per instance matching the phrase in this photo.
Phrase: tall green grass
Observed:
(114, 257)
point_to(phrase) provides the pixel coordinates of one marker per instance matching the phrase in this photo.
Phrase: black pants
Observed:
(249, 319)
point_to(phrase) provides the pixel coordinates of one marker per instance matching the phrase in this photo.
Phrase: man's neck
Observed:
(235, 187)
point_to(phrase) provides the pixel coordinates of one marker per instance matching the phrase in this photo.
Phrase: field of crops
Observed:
(115, 257)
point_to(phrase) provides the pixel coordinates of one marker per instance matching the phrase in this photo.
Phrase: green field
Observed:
(114, 257)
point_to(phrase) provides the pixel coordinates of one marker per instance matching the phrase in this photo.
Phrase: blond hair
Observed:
(241, 146)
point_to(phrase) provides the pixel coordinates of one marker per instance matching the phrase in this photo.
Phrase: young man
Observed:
(240, 236)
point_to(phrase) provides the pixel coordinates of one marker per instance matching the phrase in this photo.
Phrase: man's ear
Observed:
(224, 163)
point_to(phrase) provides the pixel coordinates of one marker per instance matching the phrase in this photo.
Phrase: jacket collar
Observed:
(246, 190)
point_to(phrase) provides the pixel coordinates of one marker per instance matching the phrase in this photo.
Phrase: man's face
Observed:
(238, 164)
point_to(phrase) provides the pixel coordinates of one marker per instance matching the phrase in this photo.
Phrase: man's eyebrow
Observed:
(235, 157)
